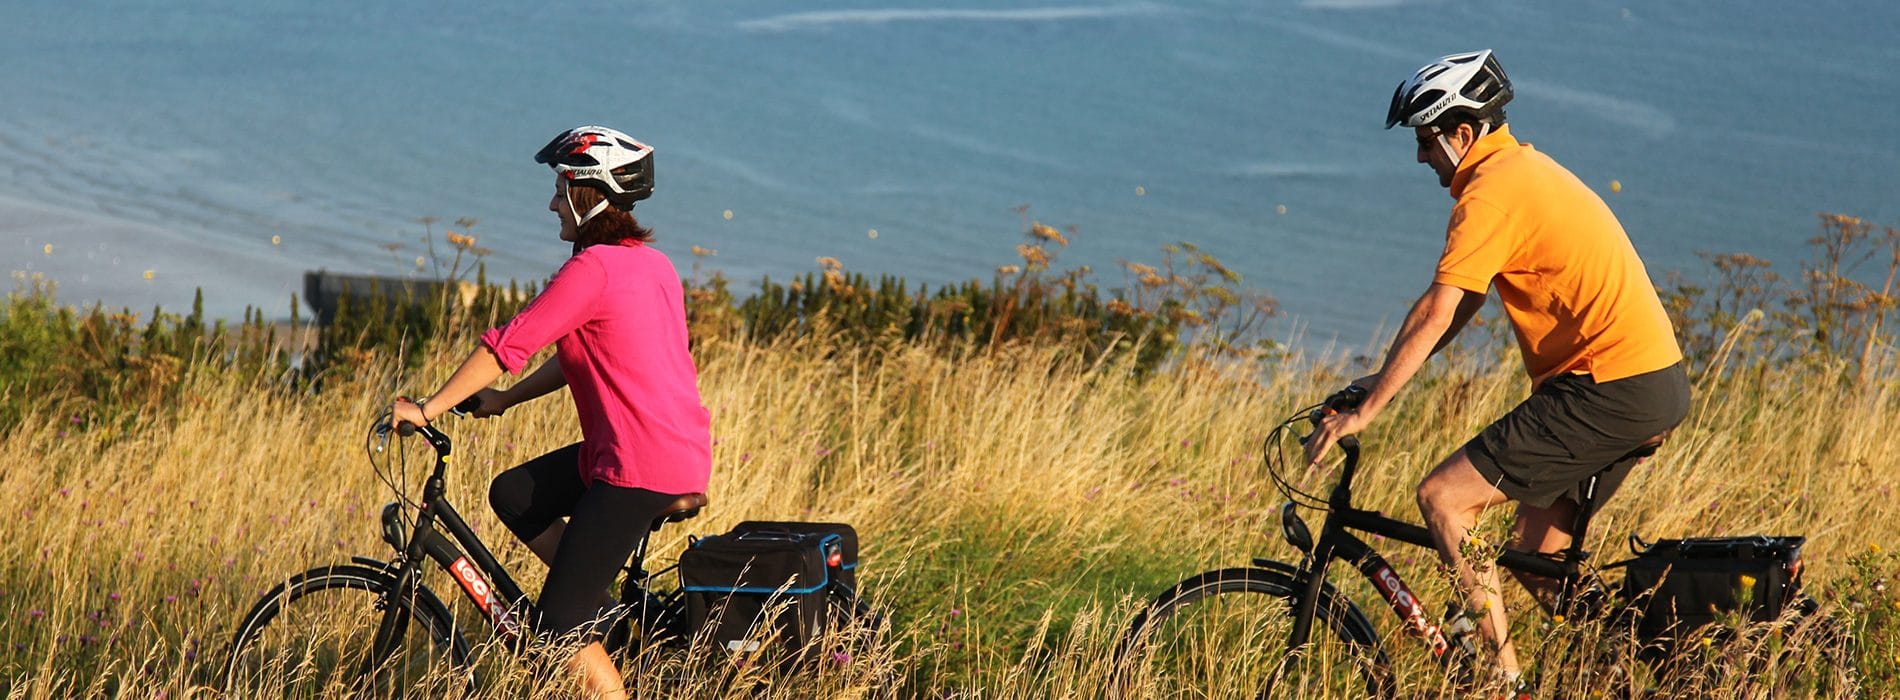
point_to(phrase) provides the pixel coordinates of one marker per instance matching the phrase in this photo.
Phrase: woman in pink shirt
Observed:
(617, 316)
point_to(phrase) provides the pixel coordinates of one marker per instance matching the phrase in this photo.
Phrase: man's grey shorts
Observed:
(1573, 427)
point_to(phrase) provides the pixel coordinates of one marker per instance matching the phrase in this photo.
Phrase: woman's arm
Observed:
(477, 372)
(539, 383)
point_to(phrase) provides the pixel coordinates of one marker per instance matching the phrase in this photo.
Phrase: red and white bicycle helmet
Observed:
(614, 163)
(1471, 82)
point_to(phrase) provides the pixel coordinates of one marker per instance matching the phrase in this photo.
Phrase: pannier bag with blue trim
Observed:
(765, 583)
(1680, 585)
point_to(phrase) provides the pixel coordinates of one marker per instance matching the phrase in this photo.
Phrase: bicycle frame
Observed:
(466, 558)
(1336, 541)
(469, 561)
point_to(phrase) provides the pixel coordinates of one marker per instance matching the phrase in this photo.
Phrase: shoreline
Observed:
(96, 259)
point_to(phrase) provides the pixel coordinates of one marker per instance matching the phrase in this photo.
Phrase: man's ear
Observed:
(1467, 133)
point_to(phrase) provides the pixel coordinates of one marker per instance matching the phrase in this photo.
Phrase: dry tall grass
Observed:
(1015, 507)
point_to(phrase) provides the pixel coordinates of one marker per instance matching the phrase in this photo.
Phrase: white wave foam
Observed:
(1352, 4)
(1289, 171)
(981, 146)
(1645, 118)
(814, 20)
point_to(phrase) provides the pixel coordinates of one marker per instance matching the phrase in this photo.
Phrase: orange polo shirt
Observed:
(1577, 295)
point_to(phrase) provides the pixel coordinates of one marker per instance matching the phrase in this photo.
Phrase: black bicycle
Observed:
(373, 627)
(1283, 630)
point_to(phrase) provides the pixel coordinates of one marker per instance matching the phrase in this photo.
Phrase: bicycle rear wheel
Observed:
(1223, 634)
(311, 637)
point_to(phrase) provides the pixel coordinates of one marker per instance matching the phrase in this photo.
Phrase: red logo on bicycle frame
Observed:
(471, 580)
(1409, 609)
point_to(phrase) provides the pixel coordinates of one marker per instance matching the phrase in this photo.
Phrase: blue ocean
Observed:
(147, 149)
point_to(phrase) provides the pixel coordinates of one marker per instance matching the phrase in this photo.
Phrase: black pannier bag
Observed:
(767, 582)
(1680, 585)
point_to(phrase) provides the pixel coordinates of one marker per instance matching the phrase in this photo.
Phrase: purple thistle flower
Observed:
(36, 613)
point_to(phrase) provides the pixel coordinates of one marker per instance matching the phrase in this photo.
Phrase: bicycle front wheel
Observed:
(311, 637)
(1223, 634)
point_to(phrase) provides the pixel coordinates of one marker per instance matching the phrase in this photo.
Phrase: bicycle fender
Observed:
(377, 565)
(1329, 596)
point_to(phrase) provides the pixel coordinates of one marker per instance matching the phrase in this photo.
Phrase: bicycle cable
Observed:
(379, 441)
(1274, 457)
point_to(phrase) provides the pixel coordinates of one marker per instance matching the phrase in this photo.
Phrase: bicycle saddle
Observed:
(686, 507)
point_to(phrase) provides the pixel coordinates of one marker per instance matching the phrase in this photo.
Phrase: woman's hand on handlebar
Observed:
(489, 403)
(405, 416)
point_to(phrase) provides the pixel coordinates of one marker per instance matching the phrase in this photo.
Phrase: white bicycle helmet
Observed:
(1471, 82)
(614, 163)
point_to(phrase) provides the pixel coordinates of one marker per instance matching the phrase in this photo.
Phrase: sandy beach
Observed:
(95, 258)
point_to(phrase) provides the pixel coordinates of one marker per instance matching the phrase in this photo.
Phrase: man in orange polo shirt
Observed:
(1607, 375)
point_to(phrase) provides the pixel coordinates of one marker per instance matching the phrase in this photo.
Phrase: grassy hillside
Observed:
(1017, 501)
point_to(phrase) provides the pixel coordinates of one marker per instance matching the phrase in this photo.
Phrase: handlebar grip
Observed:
(469, 405)
(1346, 399)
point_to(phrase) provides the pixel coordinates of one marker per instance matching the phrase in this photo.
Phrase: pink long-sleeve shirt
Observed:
(618, 317)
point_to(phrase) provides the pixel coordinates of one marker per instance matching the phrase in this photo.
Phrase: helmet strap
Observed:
(579, 219)
(1456, 158)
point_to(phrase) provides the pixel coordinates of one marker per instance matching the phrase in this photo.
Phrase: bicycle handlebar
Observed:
(1341, 401)
(466, 407)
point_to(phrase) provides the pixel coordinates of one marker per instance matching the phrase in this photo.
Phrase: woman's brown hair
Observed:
(612, 225)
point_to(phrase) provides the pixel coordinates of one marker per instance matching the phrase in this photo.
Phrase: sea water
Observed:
(161, 147)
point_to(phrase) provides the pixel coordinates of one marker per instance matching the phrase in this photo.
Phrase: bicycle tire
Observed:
(1223, 634)
(310, 636)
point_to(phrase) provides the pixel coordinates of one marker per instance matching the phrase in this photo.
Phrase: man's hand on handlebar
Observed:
(1336, 419)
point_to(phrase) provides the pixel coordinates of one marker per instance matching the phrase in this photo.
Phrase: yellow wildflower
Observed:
(1033, 254)
(1047, 233)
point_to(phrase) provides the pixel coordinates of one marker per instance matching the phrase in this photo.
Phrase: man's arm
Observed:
(1434, 320)
(1467, 307)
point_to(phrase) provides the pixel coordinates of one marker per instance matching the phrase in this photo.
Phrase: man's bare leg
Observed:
(1545, 530)
(1451, 498)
